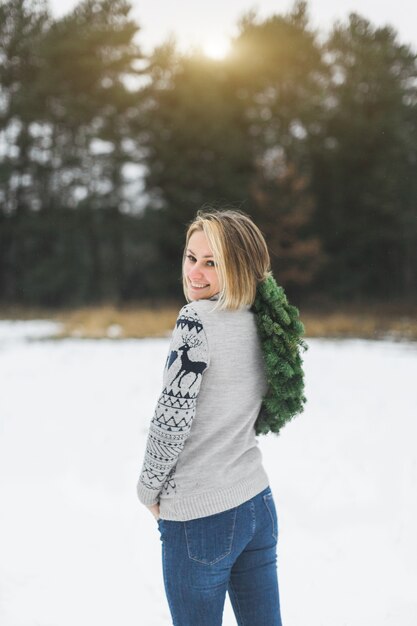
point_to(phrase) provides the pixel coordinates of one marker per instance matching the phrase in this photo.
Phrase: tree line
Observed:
(106, 154)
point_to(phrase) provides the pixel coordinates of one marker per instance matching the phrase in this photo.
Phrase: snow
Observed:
(17, 330)
(77, 547)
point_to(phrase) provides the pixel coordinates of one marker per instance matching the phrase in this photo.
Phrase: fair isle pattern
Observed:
(188, 357)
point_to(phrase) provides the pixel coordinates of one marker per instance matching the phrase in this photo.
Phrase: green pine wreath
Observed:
(280, 331)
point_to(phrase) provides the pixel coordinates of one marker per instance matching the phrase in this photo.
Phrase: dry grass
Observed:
(117, 323)
(104, 321)
(371, 322)
(366, 325)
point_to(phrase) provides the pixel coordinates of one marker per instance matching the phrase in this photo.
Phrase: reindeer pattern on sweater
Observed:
(188, 358)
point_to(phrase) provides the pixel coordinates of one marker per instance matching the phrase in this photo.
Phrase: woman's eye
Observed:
(192, 259)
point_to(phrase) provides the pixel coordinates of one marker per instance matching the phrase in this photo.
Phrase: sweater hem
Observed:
(186, 508)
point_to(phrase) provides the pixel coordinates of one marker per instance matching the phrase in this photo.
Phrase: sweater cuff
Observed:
(147, 496)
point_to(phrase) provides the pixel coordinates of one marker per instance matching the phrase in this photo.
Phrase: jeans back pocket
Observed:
(209, 539)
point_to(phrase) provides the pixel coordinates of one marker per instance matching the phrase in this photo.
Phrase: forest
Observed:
(106, 153)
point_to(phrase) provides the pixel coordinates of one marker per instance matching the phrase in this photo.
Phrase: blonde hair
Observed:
(240, 254)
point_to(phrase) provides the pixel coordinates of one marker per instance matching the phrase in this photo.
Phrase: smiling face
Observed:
(199, 268)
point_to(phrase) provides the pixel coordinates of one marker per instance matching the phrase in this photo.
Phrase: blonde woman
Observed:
(202, 476)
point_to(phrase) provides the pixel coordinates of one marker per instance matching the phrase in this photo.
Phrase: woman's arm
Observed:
(188, 358)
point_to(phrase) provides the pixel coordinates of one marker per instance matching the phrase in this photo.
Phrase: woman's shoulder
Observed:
(199, 313)
(206, 312)
(193, 315)
(202, 305)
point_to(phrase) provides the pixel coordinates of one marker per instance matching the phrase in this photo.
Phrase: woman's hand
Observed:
(154, 509)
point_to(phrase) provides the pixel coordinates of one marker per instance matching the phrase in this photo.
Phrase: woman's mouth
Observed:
(198, 286)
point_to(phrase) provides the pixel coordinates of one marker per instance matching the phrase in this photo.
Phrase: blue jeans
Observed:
(233, 551)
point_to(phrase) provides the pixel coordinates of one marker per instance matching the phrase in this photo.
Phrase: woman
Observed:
(202, 475)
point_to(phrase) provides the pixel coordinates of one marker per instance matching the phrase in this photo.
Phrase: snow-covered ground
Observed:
(78, 549)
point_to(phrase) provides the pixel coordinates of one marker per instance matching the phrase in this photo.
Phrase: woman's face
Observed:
(199, 268)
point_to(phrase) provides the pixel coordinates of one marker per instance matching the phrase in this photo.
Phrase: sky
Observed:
(211, 24)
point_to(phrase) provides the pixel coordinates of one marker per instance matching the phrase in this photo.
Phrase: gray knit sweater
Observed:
(202, 456)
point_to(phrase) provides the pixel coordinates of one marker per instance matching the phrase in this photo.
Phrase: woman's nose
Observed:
(196, 270)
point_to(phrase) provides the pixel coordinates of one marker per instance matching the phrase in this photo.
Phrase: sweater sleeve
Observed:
(188, 358)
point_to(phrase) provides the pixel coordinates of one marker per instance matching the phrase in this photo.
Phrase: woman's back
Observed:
(220, 465)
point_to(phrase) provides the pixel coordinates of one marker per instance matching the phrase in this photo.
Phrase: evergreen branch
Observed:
(280, 331)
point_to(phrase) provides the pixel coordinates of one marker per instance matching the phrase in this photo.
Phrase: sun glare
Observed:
(216, 48)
